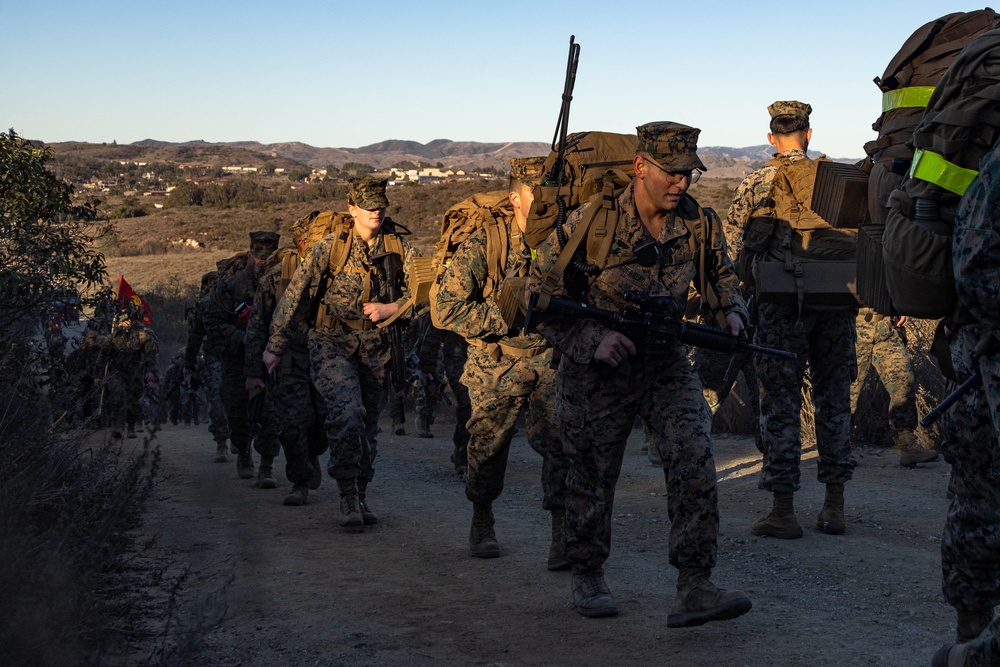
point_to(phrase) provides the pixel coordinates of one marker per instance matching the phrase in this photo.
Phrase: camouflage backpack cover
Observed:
(793, 254)
(490, 210)
(907, 85)
(960, 125)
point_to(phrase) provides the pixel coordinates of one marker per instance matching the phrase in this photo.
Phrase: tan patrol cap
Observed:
(671, 145)
(528, 170)
(369, 193)
(790, 108)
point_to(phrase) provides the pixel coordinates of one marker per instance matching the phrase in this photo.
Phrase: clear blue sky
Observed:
(347, 74)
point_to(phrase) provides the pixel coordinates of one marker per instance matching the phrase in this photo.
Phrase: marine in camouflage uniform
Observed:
(970, 545)
(823, 339)
(605, 380)
(347, 353)
(442, 355)
(507, 374)
(202, 364)
(131, 357)
(294, 410)
(226, 314)
(880, 345)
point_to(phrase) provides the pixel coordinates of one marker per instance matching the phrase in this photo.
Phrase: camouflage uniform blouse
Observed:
(579, 339)
(750, 196)
(225, 330)
(460, 303)
(343, 297)
(976, 249)
(259, 327)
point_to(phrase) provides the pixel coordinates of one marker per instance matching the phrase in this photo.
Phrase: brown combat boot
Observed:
(482, 538)
(298, 496)
(591, 595)
(424, 427)
(950, 655)
(972, 623)
(699, 601)
(910, 450)
(244, 465)
(367, 515)
(350, 509)
(265, 474)
(220, 452)
(781, 522)
(831, 517)
(557, 555)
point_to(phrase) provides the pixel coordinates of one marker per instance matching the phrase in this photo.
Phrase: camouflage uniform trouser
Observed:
(826, 342)
(353, 390)
(880, 345)
(970, 545)
(597, 406)
(450, 368)
(211, 379)
(233, 393)
(122, 397)
(500, 391)
(295, 415)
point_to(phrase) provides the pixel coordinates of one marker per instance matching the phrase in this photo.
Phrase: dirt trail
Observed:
(280, 585)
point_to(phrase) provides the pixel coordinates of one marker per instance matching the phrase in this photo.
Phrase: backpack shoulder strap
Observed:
(603, 224)
(497, 249)
(343, 235)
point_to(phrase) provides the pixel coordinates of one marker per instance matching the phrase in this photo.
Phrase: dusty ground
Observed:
(275, 585)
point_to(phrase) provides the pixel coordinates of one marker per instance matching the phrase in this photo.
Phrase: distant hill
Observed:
(722, 161)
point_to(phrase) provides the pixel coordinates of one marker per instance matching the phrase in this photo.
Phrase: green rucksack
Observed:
(960, 125)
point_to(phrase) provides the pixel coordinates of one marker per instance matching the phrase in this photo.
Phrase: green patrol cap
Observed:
(369, 193)
(671, 145)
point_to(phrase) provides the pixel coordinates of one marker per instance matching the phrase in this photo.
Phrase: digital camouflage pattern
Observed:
(824, 339)
(347, 364)
(500, 390)
(227, 333)
(673, 146)
(294, 412)
(369, 192)
(263, 244)
(597, 404)
(970, 545)
(528, 170)
(129, 353)
(790, 108)
(443, 354)
(880, 345)
(201, 360)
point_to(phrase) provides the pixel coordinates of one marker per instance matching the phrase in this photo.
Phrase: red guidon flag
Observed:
(129, 301)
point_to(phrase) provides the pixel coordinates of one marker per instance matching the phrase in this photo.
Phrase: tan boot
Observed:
(911, 452)
(557, 556)
(367, 515)
(950, 655)
(482, 538)
(220, 452)
(591, 595)
(831, 518)
(699, 601)
(972, 623)
(265, 475)
(781, 522)
(350, 510)
(244, 465)
(298, 496)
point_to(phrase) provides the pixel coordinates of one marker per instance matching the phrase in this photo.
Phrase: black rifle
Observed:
(654, 324)
(390, 265)
(255, 410)
(974, 381)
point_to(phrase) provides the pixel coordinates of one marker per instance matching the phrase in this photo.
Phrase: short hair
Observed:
(516, 185)
(787, 124)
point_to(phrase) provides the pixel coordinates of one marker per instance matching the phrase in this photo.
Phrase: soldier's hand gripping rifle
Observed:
(653, 324)
(390, 265)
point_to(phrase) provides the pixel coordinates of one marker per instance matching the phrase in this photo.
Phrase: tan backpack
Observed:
(960, 125)
(794, 255)
(490, 210)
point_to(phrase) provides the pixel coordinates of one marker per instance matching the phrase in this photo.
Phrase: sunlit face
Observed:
(367, 223)
(521, 200)
(663, 187)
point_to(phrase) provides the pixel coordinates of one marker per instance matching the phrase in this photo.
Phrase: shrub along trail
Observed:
(276, 585)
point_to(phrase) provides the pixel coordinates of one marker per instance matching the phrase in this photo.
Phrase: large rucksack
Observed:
(794, 255)
(907, 84)
(490, 210)
(960, 125)
(592, 162)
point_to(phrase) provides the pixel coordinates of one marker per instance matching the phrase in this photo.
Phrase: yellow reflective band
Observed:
(914, 96)
(934, 168)
(534, 255)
